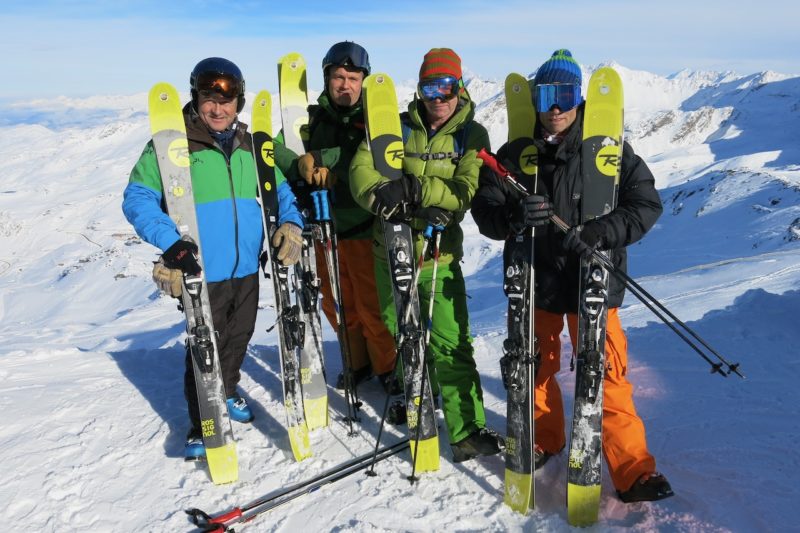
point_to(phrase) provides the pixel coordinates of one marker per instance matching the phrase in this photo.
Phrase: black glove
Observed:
(435, 216)
(398, 199)
(183, 256)
(583, 240)
(532, 211)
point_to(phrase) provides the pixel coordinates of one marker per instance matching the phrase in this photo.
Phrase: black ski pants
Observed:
(234, 304)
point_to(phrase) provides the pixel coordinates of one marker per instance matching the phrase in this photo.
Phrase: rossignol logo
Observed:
(528, 160)
(268, 153)
(179, 152)
(394, 154)
(607, 160)
(208, 428)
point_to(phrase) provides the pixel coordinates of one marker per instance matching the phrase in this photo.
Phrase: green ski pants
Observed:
(450, 347)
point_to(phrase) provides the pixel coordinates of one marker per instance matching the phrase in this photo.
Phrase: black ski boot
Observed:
(540, 456)
(482, 442)
(648, 488)
(397, 414)
(359, 376)
(390, 383)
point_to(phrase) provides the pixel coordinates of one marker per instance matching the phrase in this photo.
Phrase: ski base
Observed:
(518, 491)
(223, 464)
(584, 504)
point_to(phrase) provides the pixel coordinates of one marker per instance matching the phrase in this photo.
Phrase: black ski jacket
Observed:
(560, 179)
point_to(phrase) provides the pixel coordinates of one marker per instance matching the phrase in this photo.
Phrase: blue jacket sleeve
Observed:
(287, 205)
(142, 208)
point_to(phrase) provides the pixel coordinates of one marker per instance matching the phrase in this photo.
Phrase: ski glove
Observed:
(583, 240)
(168, 280)
(313, 172)
(288, 239)
(435, 216)
(531, 212)
(396, 200)
(183, 256)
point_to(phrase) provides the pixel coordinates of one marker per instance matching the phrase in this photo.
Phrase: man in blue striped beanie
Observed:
(502, 214)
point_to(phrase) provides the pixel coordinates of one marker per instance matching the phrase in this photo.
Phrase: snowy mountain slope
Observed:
(91, 357)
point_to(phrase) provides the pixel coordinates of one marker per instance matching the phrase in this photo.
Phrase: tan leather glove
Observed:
(168, 280)
(288, 239)
(311, 170)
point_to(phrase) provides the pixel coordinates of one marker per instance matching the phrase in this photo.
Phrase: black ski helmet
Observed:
(218, 75)
(346, 53)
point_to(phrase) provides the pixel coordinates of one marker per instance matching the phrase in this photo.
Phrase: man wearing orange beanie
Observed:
(441, 142)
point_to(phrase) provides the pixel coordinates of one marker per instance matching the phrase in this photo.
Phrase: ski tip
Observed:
(223, 464)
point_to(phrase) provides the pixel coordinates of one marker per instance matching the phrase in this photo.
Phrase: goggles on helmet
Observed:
(347, 54)
(222, 84)
(444, 88)
(563, 95)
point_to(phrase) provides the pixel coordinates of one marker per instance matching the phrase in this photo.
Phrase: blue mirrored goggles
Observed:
(443, 88)
(563, 95)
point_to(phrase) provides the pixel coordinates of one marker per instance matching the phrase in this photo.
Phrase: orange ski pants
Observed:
(369, 340)
(624, 441)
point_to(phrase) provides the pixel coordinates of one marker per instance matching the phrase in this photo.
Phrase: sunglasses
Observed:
(443, 88)
(565, 96)
(221, 84)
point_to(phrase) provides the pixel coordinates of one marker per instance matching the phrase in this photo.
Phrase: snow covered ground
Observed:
(91, 356)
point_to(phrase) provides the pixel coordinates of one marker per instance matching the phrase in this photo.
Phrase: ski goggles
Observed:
(347, 54)
(443, 88)
(222, 84)
(565, 96)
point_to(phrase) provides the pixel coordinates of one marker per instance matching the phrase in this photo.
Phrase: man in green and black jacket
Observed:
(335, 130)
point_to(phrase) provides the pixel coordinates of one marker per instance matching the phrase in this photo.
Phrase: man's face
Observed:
(344, 85)
(557, 122)
(216, 111)
(438, 110)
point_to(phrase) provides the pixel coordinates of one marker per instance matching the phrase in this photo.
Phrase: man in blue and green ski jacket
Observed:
(229, 218)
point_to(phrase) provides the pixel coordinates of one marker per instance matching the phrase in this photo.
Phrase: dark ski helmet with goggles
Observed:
(346, 54)
(217, 75)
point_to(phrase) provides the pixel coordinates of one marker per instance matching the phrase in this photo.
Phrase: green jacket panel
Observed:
(336, 134)
(445, 184)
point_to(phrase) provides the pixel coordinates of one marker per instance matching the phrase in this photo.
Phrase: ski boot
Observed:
(359, 376)
(194, 450)
(648, 488)
(239, 410)
(481, 442)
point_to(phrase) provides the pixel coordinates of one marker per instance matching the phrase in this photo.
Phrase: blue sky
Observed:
(83, 48)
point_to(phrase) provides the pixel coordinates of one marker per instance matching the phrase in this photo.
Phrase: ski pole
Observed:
(646, 298)
(434, 232)
(322, 212)
(248, 512)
